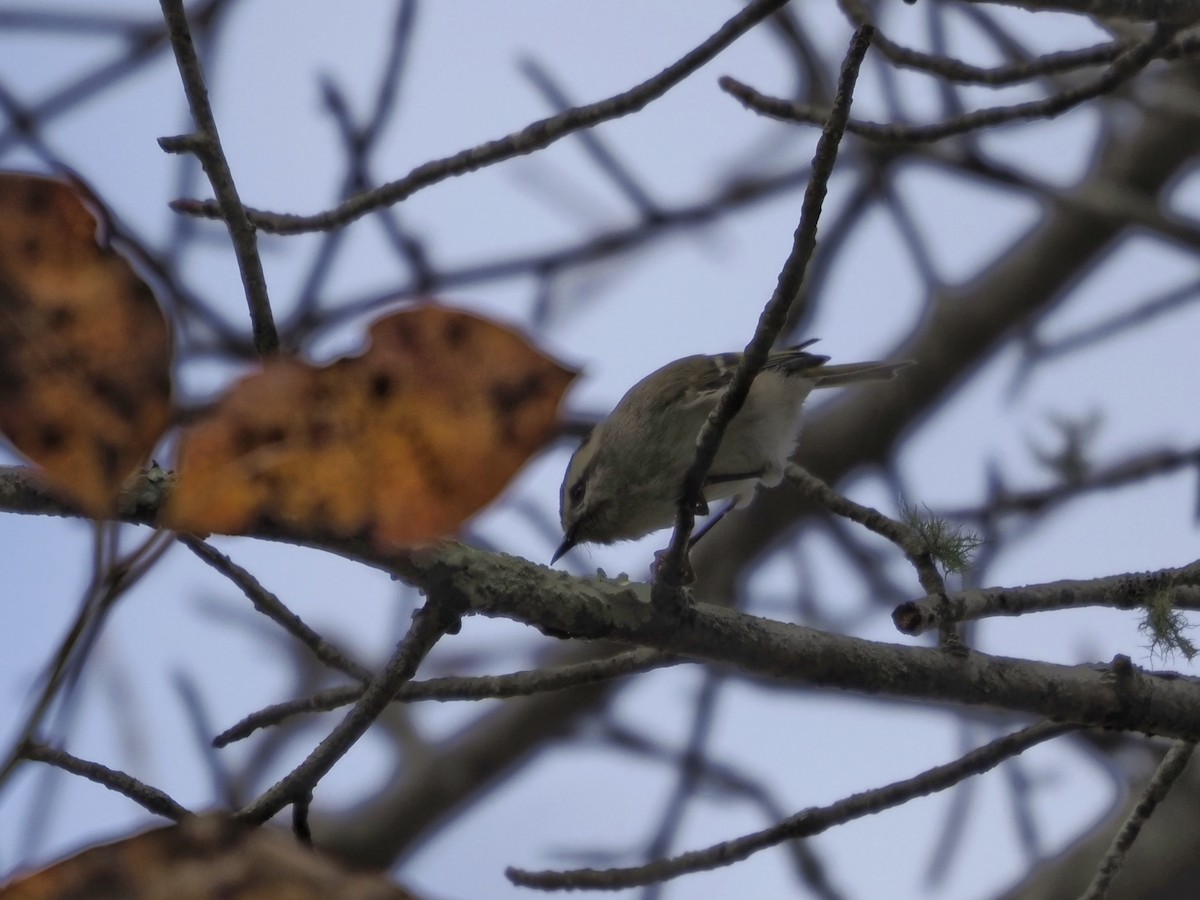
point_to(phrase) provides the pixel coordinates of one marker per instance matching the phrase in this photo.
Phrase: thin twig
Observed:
(904, 537)
(110, 581)
(604, 158)
(690, 773)
(1123, 68)
(1119, 324)
(1137, 468)
(957, 70)
(273, 608)
(1168, 771)
(91, 83)
(725, 780)
(774, 317)
(959, 804)
(120, 235)
(358, 143)
(483, 687)
(804, 824)
(205, 143)
(1178, 13)
(608, 244)
(150, 798)
(438, 617)
(300, 826)
(533, 137)
(918, 552)
(75, 22)
(221, 783)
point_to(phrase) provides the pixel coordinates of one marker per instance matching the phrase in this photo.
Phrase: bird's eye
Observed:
(577, 490)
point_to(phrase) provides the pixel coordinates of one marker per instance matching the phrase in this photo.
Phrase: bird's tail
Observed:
(852, 373)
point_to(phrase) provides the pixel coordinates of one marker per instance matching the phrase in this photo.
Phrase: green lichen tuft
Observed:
(1164, 625)
(951, 546)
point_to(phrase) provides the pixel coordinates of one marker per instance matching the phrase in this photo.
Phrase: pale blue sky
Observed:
(694, 292)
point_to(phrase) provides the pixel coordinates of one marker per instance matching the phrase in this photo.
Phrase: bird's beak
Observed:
(567, 543)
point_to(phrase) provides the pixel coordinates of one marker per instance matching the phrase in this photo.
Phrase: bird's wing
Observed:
(708, 380)
(852, 373)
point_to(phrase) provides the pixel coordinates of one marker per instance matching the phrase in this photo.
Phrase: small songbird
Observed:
(625, 480)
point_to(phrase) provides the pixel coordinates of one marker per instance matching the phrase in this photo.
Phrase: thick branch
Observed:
(620, 611)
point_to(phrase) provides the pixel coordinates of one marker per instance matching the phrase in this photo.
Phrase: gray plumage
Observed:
(624, 480)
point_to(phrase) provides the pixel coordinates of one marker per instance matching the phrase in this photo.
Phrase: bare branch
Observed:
(621, 611)
(439, 616)
(1124, 67)
(770, 324)
(605, 159)
(1127, 471)
(111, 579)
(1129, 591)
(483, 687)
(904, 537)
(150, 798)
(205, 143)
(804, 824)
(533, 137)
(273, 608)
(1164, 778)
(962, 72)
(1179, 13)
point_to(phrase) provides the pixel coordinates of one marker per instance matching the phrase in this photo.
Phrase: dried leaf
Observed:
(85, 352)
(202, 858)
(400, 444)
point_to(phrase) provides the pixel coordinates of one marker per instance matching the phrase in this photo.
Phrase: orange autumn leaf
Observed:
(400, 444)
(85, 353)
(202, 858)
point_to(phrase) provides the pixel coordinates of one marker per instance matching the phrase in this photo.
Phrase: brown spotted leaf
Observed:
(400, 444)
(85, 353)
(202, 858)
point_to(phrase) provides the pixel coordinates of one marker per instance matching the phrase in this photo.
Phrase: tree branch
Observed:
(804, 824)
(150, 798)
(770, 324)
(1129, 591)
(273, 608)
(621, 611)
(439, 616)
(1124, 67)
(1169, 770)
(483, 687)
(533, 137)
(205, 143)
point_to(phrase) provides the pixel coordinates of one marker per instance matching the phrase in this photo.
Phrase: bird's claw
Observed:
(687, 577)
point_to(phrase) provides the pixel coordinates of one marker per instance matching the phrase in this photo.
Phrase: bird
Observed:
(625, 479)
